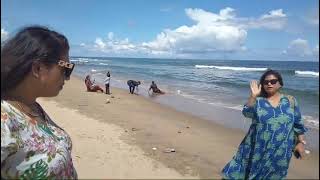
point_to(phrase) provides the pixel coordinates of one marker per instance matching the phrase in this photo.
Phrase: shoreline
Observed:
(202, 147)
(225, 116)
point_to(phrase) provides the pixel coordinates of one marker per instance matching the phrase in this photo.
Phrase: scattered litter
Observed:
(125, 131)
(169, 150)
(154, 148)
(112, 96)
(134, 129)
(188, 127)
(108, 101)
(307, 151)
(78, 156)
(179, 131)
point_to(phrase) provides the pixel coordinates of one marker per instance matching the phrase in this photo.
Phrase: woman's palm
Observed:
(255, 88)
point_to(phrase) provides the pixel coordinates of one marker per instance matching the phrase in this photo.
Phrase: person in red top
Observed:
(91, 87)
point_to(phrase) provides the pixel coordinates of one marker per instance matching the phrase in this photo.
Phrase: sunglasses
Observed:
(272, 81)
(68, 67)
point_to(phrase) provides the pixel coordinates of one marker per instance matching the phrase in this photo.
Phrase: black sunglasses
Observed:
(272, 81)
(68, 67)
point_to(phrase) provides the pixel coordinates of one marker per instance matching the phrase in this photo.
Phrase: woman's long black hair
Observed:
(29, 44)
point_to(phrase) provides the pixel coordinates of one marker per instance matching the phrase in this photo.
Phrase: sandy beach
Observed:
(127, 138)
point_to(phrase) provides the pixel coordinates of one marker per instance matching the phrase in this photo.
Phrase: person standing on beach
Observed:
(276, 130)
(34, 63)
(132, 84)
(107, 83)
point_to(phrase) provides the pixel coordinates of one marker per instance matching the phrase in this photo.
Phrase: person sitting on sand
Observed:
(155, 89)
(91, 87)
(132, 84)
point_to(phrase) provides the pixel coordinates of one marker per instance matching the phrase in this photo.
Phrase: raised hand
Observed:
(255, 89)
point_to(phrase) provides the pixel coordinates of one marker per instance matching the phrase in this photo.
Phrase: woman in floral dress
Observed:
(34, 63)
(276, 130)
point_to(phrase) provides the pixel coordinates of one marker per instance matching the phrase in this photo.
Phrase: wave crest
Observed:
(230, 68)
(307, 73)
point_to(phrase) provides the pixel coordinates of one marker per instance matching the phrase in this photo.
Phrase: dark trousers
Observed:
(131, 89)
(107, 89)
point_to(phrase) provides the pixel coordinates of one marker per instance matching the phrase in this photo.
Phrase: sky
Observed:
(190, 29)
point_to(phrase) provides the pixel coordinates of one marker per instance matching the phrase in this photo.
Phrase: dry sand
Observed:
(116, 140)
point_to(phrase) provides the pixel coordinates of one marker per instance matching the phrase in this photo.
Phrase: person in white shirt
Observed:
(107, 83)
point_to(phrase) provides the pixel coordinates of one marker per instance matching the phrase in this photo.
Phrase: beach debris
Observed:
(307, 151)
(108, 101)
(112, 96)
(78, 156)
(188, 127)
(169, 150)
(179, 131)
(125, 131)
(134, 129)
(154, 150)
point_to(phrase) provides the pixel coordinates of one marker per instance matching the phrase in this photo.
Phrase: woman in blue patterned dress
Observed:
(276, 130)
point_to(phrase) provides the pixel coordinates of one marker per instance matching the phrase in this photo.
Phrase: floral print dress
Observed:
(266, 150)
(32, 150)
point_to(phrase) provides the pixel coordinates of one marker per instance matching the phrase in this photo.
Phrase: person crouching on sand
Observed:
(132, 84)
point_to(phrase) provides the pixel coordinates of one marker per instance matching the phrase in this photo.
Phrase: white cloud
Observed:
(114, 45)
(202, 16)
(211, 32)
(274, 20)
(82, 44)
(100, 44)
(4, 34)
(274, 14)
(110, 35)
(299, 47)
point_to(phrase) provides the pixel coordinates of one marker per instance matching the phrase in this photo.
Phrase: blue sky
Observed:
(267, 30)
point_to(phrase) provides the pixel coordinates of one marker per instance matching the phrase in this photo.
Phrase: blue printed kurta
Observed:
(266, 150)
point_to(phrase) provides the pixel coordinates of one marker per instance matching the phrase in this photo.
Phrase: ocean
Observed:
(212, 89)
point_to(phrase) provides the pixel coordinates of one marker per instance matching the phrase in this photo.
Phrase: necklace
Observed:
(31, 113)
(35, 109)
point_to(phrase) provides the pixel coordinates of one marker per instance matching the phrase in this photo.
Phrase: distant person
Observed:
(132, 84)
(34, 63)
(276, 131)
(107, 83)
(154, 88)
(91, 87)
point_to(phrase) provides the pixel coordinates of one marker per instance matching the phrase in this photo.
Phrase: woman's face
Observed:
(271, 84)
(53, 78)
